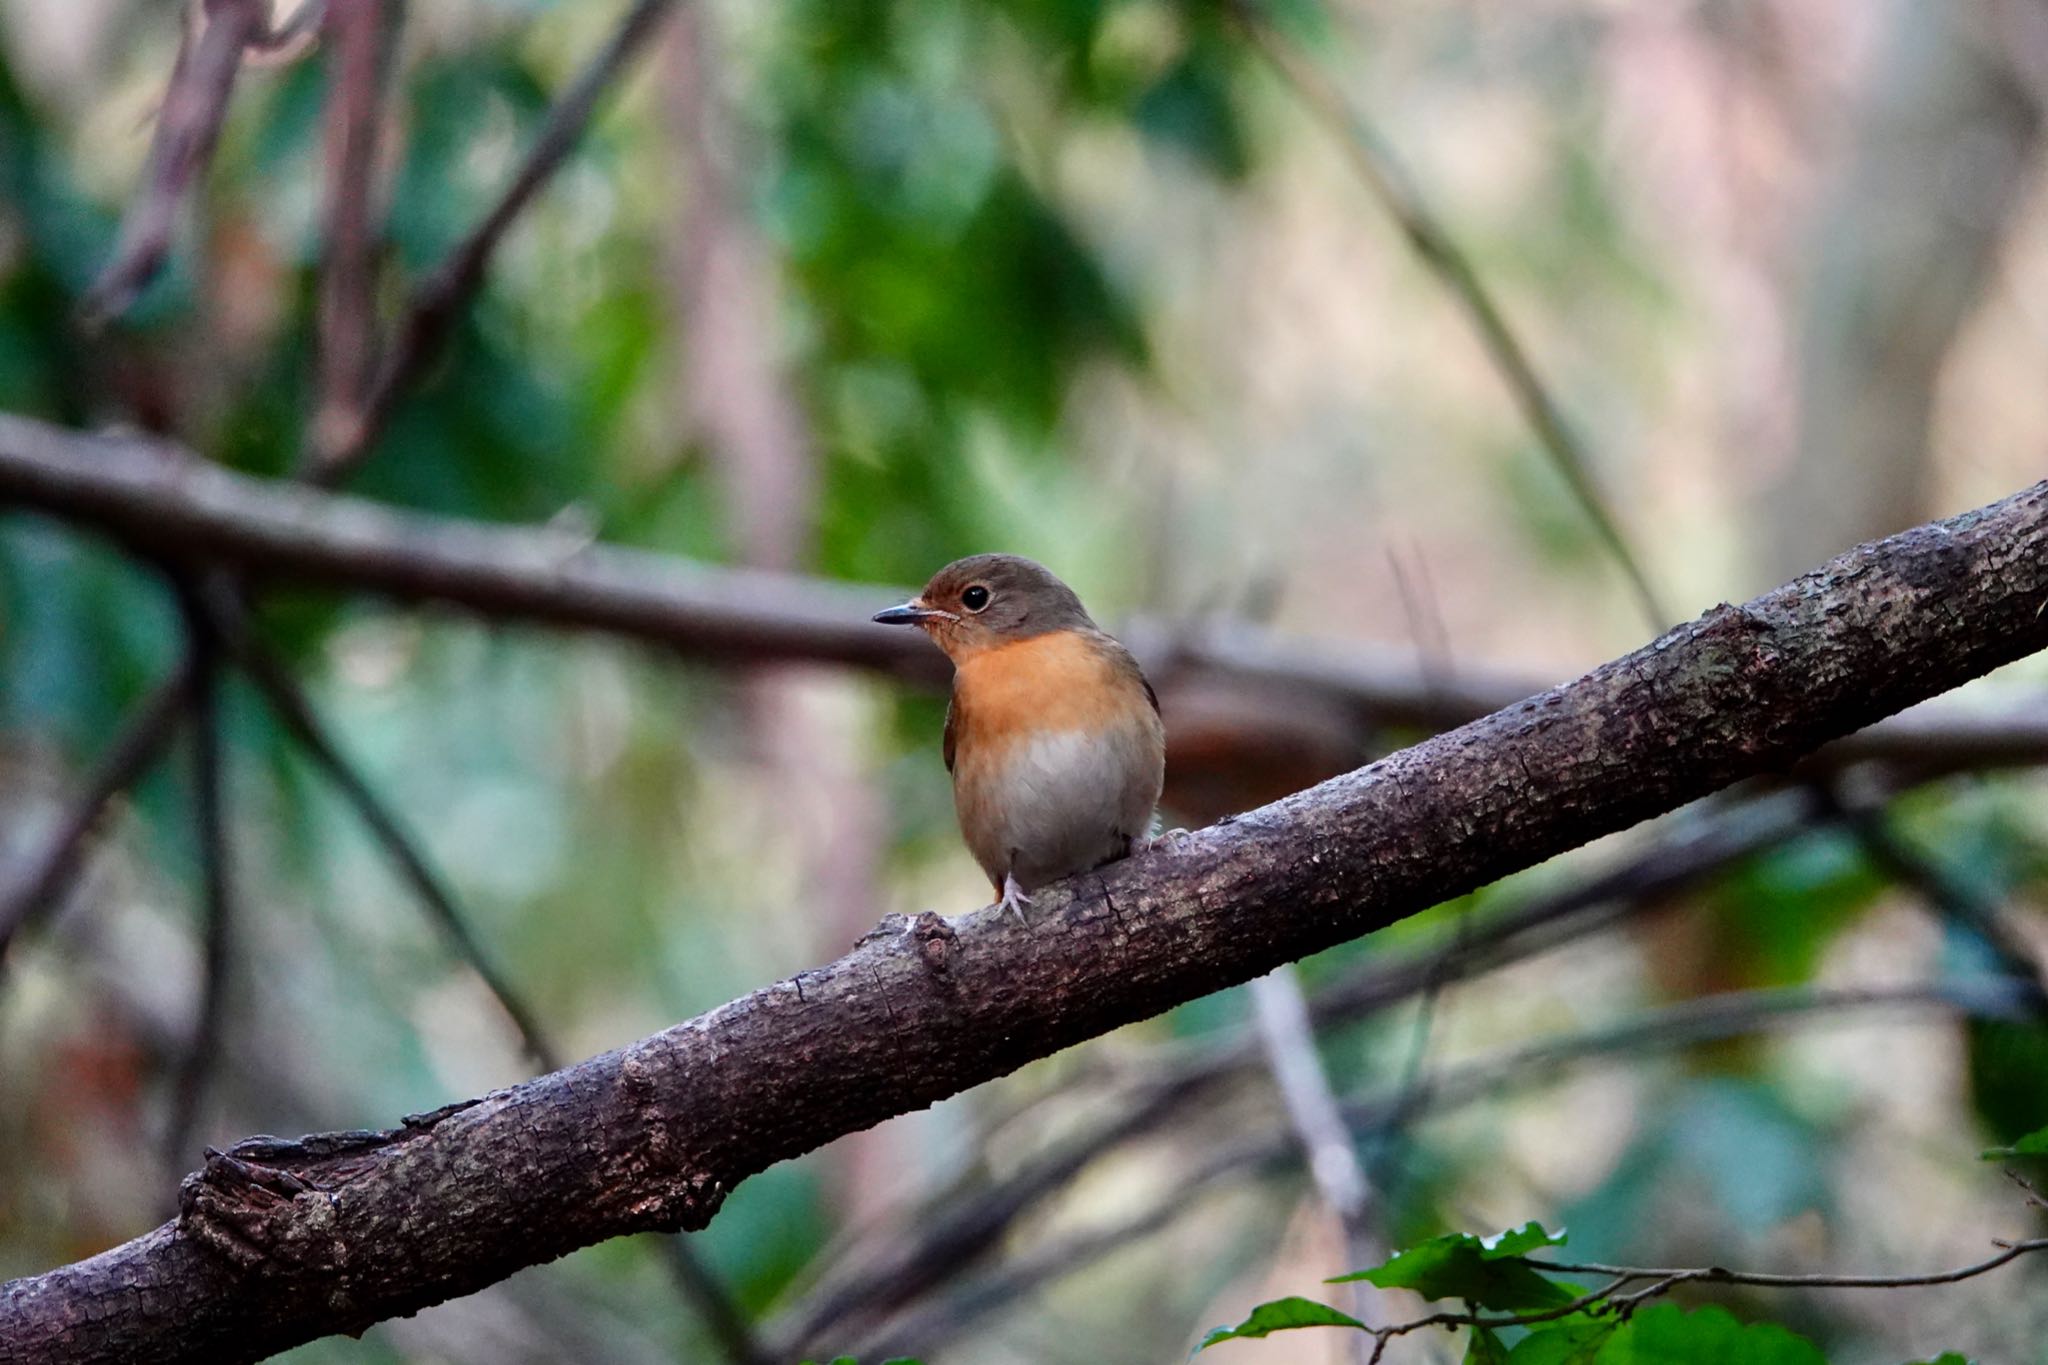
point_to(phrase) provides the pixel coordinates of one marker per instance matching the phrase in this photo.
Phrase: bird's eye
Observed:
(975, 598)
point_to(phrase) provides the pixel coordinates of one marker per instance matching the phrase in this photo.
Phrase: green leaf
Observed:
(2033, 1144)
(1485, 1348)
(1669, 1335)
(1278, 1316)
(1488, 1272)
(1572, 1341)
(1946, 1358)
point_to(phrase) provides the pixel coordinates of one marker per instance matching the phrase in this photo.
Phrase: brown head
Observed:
(983, 601)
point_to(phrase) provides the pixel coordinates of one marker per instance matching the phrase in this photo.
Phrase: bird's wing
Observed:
(952, 714)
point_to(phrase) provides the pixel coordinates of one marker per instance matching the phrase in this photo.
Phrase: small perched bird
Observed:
(1053, 735)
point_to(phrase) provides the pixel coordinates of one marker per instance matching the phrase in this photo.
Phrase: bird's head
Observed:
(985, 601)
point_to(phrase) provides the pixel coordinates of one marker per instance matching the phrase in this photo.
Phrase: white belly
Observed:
(1063, 802)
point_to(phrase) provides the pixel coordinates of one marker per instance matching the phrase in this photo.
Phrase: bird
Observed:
(1053, 735)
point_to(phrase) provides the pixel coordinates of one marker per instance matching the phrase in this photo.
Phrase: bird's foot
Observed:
(1173, 840)
(1014, 900)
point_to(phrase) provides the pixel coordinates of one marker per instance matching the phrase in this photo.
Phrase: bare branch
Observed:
(1287, 1038)
(175, 505)
(1441, 255)
(713, 1301)
(347, 307)
(1327, 1145)
(278, 1242)
(187, 127)
(33, 892)
(288, 701)
(215, 856)
(446, 291)
(955, 1227)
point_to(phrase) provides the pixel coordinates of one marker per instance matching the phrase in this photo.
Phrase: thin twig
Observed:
(1609, 1298)
(187, 127)
(1440, 253)
(1763, 1280)
(1287, 1038)
(1688, 1023)
(446, 291)
(1950, 898)
(210, 827)
(288, 701)
(699, 1284)
(347, 308)
(34, 892)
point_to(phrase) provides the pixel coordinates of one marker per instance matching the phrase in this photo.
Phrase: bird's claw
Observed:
(1173, 840)
(1014, 900)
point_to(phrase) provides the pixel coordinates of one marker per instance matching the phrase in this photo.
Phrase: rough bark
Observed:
(280, 1242)
(168, 502)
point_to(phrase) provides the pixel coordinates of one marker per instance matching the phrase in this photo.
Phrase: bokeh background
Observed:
(848, 288)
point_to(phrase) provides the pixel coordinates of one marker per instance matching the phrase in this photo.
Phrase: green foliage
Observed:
(1494, 1274)
(1490, 1272)
(1281, 1315)
(1665, 1334)
(2007, 1060)
(2032, 1144)
(1483, 1346)
(1777, 914)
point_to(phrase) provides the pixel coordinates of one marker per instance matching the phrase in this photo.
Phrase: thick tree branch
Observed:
(953, 1228)
(280, 1242)
(165, 500)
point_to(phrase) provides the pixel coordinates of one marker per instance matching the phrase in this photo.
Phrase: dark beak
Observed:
(911, 613)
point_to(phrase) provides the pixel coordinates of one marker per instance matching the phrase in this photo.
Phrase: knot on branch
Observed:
(935, 940)
(683, 1204)
(260, 1217)
(268, 1203)
(665, 1188)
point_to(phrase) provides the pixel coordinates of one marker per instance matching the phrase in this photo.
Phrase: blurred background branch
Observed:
(167, 502)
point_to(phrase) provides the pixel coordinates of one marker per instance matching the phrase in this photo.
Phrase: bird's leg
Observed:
(1014, 900)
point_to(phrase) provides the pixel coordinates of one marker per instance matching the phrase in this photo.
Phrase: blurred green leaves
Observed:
(1665, 1334)
(1490, 1272)
(2033, 1144)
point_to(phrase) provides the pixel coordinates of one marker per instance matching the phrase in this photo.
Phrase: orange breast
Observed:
(1061, 681)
